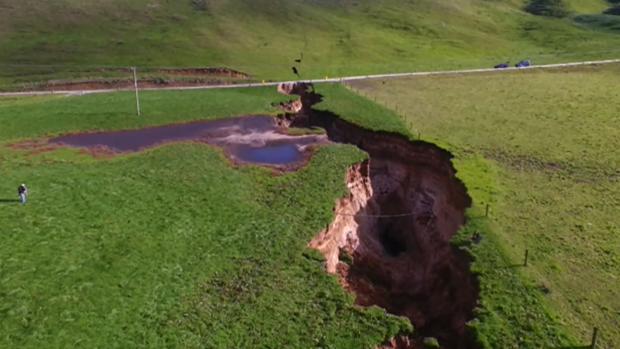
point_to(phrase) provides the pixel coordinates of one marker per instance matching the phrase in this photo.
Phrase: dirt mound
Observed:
(306, 93)
(84, 85)
(210, 71)
(291, 107)
(148, 78)
(295, 88)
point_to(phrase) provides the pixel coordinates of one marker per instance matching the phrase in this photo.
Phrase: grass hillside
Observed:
(174, 248)
(587, 7)
(541, 148)
(170, 247)
(263, 37)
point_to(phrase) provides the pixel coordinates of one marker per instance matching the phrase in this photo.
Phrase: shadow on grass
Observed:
(574, 347)
(8, 201)
(515, 266)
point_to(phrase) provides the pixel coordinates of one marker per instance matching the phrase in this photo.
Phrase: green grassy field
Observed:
(174, 248)
(171, 247)
(68, 39)
(541, 148)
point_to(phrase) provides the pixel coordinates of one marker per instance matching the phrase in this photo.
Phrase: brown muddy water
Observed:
(250, 139)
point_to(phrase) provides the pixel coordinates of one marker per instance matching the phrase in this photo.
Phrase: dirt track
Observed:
(316, 81)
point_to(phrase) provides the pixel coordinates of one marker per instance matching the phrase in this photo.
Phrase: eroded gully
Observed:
(389, 242)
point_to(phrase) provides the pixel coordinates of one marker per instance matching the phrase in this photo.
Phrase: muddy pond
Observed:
(250, 139)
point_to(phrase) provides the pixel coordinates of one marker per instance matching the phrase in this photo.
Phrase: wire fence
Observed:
(344, 65)
(26, 76)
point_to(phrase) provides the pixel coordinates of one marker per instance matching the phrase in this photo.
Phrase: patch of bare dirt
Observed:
(34, 147)
(85, 85)
(209, 71)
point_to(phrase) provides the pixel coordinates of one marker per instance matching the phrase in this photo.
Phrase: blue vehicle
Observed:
(502, 65)
(524, 63)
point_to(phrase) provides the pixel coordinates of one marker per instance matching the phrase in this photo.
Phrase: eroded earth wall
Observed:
(389, 242)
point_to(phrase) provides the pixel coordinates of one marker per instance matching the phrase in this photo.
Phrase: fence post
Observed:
(594, 337)
(527, 254)
(486, 210)
(135, 83)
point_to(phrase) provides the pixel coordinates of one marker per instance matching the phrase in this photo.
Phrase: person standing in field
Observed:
(22, 192)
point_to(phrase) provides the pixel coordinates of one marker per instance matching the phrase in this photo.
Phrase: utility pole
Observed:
(135, 83)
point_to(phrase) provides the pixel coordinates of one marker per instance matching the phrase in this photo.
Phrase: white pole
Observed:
(135, 83)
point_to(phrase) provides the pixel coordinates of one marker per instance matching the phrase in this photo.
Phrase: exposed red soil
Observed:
(404, 264)
(86, 85)
(401, 342)
(34, 147)
(217, 71)
(191, 71)
(99, 152)
(291, 107)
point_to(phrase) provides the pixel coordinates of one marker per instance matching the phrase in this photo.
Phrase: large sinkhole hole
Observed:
(393, 239)
(399, 257)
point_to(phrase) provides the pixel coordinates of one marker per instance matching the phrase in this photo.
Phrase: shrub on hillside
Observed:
(200, 5)
(600, 22)
(548, 8)
(613, 11)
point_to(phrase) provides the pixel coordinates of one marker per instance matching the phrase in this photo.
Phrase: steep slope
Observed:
(263, 37)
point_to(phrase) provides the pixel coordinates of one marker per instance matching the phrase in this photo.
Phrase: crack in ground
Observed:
(389, 243)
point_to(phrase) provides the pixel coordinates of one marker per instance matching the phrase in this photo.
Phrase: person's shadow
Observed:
(8, 201)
